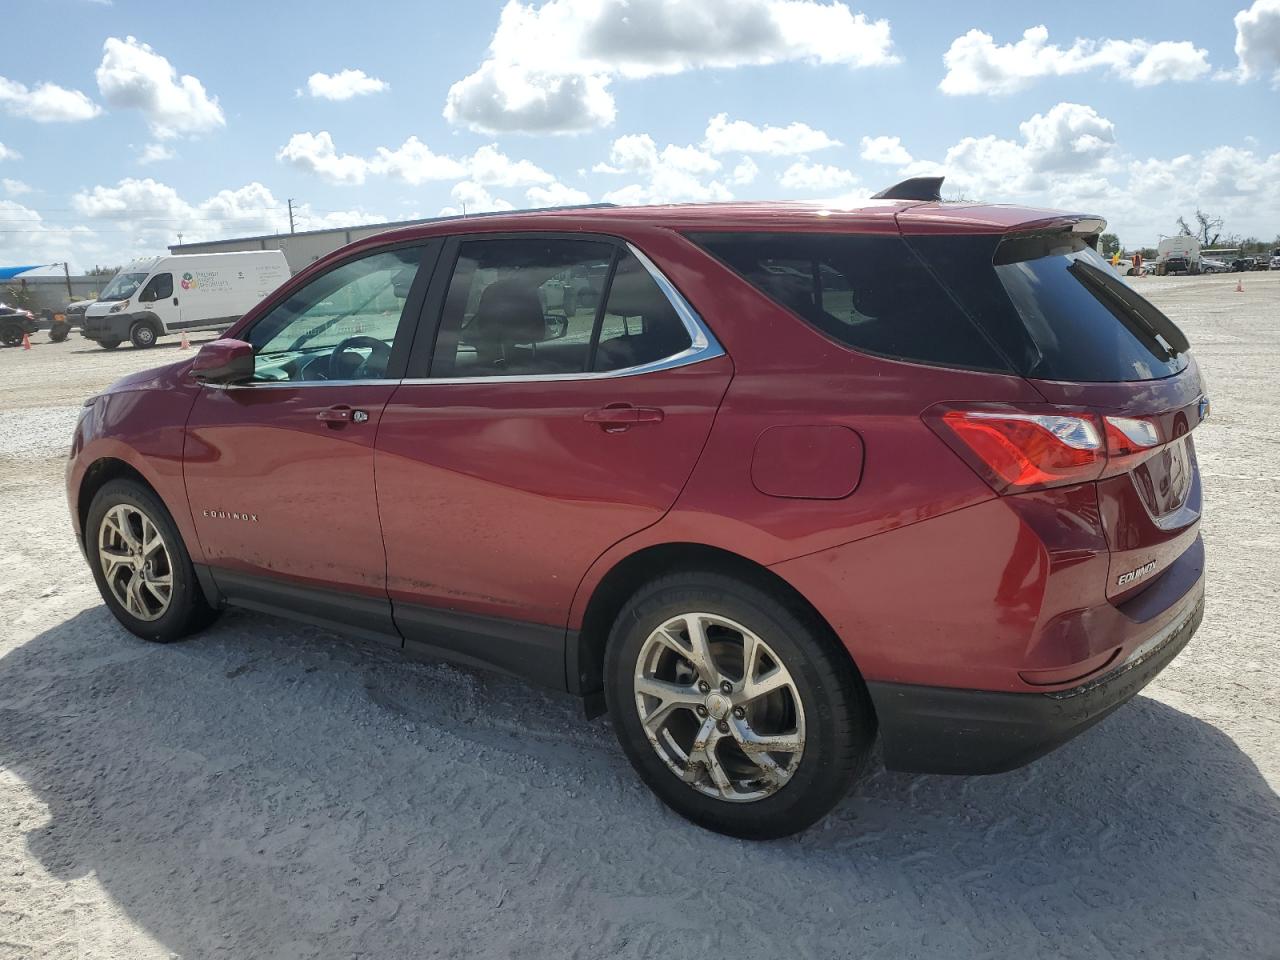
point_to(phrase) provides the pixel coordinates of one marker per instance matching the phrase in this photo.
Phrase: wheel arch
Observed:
(98, 474)
(586, 648)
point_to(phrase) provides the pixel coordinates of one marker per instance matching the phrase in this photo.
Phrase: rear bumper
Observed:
(945, 730)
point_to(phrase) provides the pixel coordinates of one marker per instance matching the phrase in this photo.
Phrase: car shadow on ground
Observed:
(271, 790)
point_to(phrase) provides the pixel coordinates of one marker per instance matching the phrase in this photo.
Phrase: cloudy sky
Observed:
(126, 123)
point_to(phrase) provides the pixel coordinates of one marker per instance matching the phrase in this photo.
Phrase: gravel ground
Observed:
(270, 790)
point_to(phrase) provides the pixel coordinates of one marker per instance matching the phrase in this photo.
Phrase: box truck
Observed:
(152, 298)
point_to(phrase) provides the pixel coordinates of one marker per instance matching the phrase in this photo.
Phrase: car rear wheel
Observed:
(739, 711)
(141, 565)
(108, 344)
(11, 336)
(143, 335)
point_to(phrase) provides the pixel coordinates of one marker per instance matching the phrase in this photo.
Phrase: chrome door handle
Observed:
(617, 417)
(340, 414)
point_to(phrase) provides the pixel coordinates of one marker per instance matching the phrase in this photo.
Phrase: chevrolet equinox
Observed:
(763, 481)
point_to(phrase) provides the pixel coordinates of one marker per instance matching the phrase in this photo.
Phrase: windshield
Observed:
(122, 286)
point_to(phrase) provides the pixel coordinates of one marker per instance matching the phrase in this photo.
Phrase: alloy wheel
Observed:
(719, 707)
(135, 562)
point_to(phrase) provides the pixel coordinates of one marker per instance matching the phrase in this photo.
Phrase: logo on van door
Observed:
(188, 282)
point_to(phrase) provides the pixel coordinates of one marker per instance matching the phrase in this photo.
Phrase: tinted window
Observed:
(639, 324)
(529, 307)
(870, 293)
(160, 288)
(341, 325)
(1056, 308)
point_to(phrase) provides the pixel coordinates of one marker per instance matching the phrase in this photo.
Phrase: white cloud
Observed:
(14, 188)
(413, 162)
(668, 185)
(977, 64)
(46, 103)
(738, 136)
(472, 197)
(315, 153)
(549, 66)
(1258, 41)
(491, 167)
(744, 173)
(344, 85)
(1068, 139)
(132, 75)
(816, 178)
(155, 153)
(887, 150)
(8, 153)
(637, 153)
(555, 194)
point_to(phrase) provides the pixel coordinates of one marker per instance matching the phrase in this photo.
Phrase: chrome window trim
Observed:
(703, 346)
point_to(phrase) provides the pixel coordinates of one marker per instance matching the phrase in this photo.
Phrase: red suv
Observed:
(789, 477)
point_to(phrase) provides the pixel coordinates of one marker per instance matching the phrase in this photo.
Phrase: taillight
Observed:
(1028, 448)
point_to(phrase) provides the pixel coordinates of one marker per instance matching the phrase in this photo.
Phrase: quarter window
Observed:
(340, 326)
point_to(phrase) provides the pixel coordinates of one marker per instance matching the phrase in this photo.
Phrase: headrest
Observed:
(634, 294)
(510, 312)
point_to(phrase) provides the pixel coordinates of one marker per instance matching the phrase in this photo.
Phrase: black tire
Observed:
(143, 334)
(58, 333)
(187, 612)
(839, 718)
(108, 344)
(11, 336)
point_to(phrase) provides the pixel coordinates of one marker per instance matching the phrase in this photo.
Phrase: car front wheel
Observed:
(739, 710)
(141, 565)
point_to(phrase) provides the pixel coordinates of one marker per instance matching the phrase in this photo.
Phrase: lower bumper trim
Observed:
(946, 730)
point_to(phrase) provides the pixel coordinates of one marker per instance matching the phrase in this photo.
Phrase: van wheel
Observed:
(741, 713)
(143, 334)
(108, 344)
(141, 565)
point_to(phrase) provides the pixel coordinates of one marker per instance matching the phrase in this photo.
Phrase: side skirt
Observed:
(528, 651)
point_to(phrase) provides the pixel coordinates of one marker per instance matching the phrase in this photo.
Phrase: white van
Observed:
(200, 291)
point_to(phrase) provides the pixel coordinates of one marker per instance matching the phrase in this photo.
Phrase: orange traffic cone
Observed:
(186, 344)
(1239, 286)
(26, 341)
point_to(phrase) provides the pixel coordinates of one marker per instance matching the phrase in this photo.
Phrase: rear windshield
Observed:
(1056, 308)
(868, 292)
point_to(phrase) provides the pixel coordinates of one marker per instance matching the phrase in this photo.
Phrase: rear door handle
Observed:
(621, 416)
(340, 414)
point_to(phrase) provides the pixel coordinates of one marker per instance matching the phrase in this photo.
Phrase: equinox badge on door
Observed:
(230, 515)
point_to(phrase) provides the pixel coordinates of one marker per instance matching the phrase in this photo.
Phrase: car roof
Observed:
(877, 216)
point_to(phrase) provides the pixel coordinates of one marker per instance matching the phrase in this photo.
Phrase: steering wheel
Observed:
(340, 368)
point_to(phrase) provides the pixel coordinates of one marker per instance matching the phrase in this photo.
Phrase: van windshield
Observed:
(122, 286)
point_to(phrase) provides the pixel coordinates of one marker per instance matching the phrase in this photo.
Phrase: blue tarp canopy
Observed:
(8, 273)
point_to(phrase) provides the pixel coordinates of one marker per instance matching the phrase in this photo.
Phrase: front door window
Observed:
(341, 326)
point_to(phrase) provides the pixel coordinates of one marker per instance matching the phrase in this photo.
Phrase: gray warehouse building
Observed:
(300, 249)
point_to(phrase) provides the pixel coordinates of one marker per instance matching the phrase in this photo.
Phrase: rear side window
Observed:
(550, 306)
(1056, 308)
(869, 292)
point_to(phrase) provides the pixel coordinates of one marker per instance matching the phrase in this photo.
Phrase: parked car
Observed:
(1208, 265)
(1242, 264)
(1262, 262)
(151, 298)
(919, 471)
(1275, 261)
(15, 323)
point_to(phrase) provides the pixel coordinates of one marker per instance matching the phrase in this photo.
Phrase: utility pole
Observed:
(179, 238)
(66, 272)
(290, 201)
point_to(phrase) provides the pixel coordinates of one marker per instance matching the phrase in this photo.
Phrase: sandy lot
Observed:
(273, 791)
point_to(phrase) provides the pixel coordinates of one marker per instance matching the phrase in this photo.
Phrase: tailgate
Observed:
(1151, 509)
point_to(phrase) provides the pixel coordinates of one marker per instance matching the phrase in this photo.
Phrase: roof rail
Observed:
(915, 188)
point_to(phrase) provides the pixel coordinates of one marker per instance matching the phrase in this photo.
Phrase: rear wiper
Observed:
(1153, 323)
